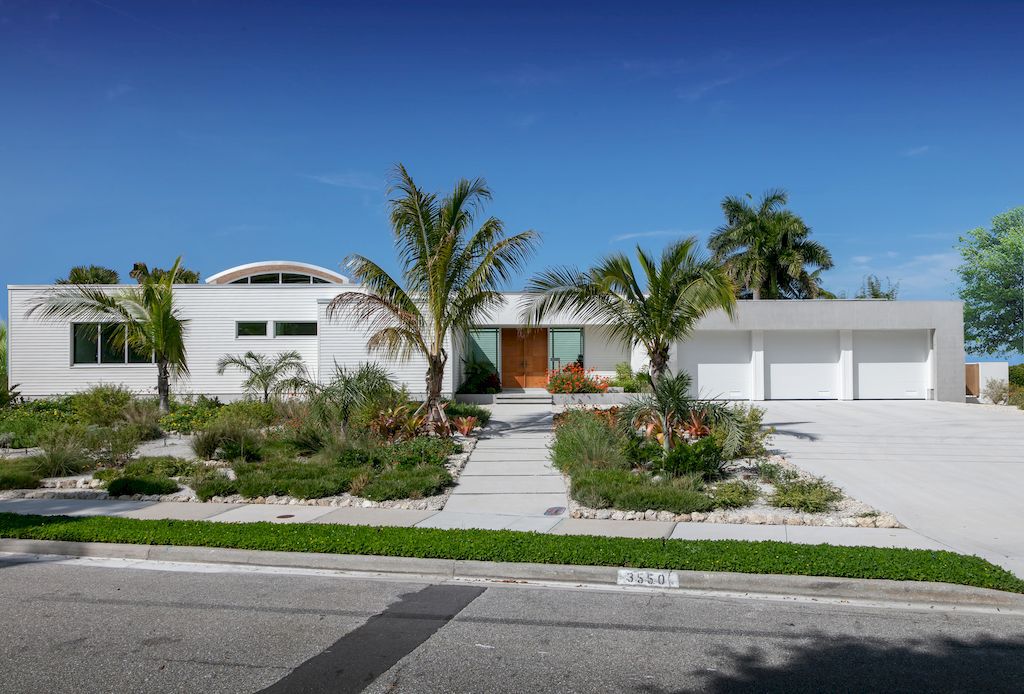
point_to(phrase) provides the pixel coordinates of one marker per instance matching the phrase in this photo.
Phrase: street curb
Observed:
(820, 587)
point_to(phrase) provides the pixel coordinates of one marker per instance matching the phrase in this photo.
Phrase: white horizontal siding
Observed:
(602, 351)
(343, 342)
(40, 358)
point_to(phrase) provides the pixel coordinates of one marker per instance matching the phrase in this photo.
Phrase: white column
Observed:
(757, 364)
(932, 366)
(846, 365)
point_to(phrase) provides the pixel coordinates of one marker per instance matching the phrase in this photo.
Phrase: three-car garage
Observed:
(809, 364)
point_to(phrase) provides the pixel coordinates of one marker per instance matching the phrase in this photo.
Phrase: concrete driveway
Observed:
(952, 472)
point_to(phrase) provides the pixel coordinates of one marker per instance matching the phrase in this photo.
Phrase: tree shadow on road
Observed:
(847, 664)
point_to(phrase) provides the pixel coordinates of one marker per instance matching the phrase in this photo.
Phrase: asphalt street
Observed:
(117, 626)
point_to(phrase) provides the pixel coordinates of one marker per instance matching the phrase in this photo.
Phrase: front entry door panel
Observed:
(524, 358)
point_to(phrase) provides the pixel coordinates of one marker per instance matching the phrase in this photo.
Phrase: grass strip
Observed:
(507, 546)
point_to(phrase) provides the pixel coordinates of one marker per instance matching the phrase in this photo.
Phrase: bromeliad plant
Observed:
(451, 275)
(671, 417)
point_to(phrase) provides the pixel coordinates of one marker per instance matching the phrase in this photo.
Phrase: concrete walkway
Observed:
(508, 483)
(951, 472)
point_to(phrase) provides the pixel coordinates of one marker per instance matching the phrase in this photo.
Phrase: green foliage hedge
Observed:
(151, 484)
(506, 546)
(1017, 375)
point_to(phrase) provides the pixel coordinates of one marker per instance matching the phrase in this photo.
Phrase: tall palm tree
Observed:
(265, 374)
(657, 309)
(152, 322)
(767, 248)
(90, 274)
(451, 275)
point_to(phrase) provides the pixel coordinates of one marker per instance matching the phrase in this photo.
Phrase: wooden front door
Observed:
(524, 358)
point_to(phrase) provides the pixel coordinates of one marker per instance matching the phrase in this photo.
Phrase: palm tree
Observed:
(657, 310)
(152, 322)
(90, 274)
(333, 403)
(767, 250)
(450, 276)
(265, 374)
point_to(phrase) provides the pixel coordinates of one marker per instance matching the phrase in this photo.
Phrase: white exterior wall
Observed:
(343, 342)
(602, 352)
(40, 356)
(991, 371)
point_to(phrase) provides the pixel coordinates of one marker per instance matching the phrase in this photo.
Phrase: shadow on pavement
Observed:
(847, 664)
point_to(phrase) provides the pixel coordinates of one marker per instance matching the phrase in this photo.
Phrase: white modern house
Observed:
(771, 350)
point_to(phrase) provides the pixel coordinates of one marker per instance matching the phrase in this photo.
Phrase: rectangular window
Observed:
(112, 347)
(294, 328)
(565, 347)
(269, 278)
(251, 329)
(483, 347)
(86, 343)
(294, 278)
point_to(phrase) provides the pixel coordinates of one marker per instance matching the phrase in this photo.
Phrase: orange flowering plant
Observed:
(575, 379)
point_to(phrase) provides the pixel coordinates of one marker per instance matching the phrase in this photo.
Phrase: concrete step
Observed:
(522, 399)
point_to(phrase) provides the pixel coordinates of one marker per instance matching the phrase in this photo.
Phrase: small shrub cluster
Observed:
(1017, 375)
(101, 405)
(154, 484)
(628, 380)
(754, 436)
(23, 422)
(734, 494)
(480, 378)
(187, 417)
(573, 378)
(702, 458)
(633, 491)
(583, 441)
(806, 495)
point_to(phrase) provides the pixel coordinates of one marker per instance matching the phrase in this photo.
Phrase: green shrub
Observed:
(24, 421)
(186, 418)
(583, 440)
(230, 438)
(407, 483)
(774, 473)
(302, 479)
(209, 482)
(703, 457)
(754, 437)
(19, 475)
(143, 414)
(101, 405)
(734, 494)
(64, 450)
(506, 546)
(111, 445)
(258, 414)
(127, 486)
(640, 450)
(627, 379)
(806, 495)
(468, 409)
(629, 491)
(159, 465)
(1017, 375)
(480, 377)
(422, 450)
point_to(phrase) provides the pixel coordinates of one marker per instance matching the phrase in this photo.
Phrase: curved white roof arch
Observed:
(269, 267)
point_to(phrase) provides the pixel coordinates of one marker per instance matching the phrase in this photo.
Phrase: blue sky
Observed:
(234, 132)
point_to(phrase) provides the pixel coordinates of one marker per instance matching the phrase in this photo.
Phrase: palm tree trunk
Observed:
(659, 361)
(163, 385)
(435, 378)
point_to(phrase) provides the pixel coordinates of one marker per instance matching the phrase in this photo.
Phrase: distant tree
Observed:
(871, 288)
(992, 285)
(140, 273)
(90, 274)
(8, 394)
(265, 374)
(767, 250)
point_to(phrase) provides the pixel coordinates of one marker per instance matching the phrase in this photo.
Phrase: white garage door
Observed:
(801, 365)
(890, 364)
(719, 363)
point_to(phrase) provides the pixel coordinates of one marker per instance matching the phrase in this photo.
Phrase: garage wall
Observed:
(801, 365)
(719, 362)
(890, 364)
